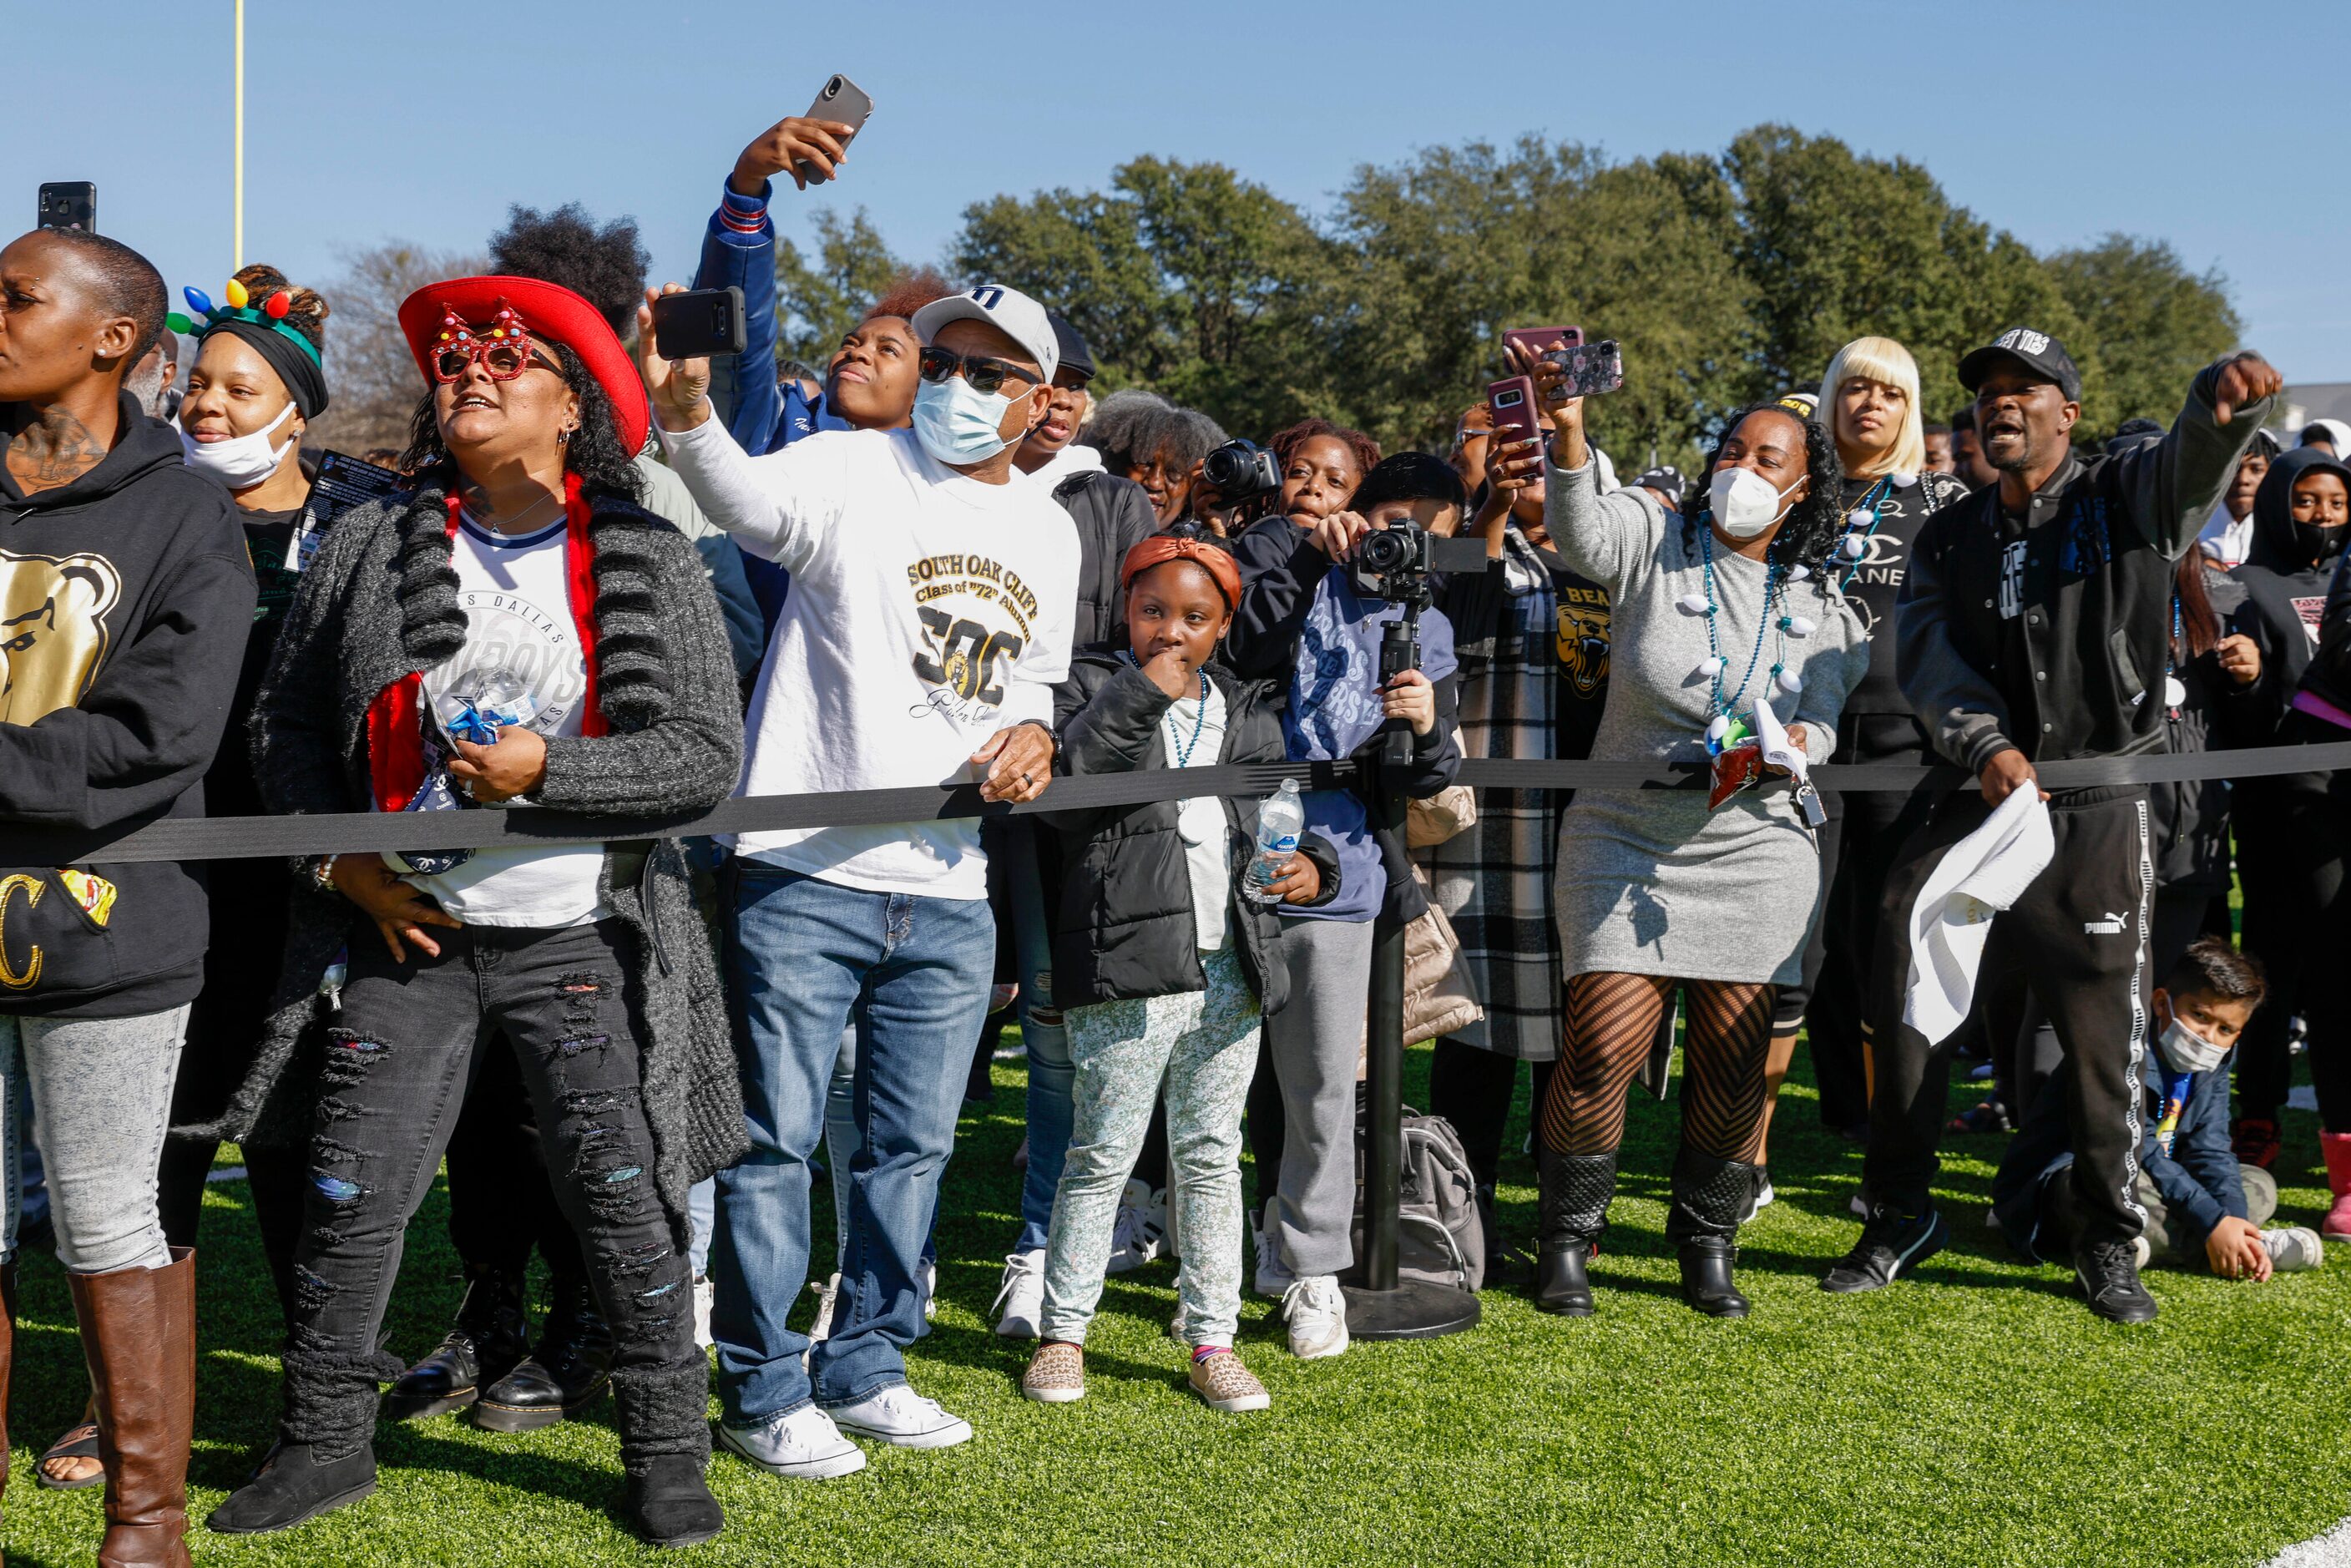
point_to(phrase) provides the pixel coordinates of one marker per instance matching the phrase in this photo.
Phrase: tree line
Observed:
(1727, 276)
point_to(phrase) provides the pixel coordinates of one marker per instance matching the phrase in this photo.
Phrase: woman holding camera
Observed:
(1722, 620)
(517, 629)
(1310, 618)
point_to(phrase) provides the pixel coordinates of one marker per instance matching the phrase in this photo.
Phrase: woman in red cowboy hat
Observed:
(516, 631)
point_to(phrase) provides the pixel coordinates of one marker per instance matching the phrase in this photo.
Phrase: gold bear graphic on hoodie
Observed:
(53, 634)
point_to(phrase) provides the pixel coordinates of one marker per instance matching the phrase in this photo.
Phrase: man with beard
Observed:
(2032, 627)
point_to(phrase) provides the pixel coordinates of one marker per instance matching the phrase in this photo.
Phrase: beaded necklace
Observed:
(1855, 545)
(1775, 617)
(1199, 717)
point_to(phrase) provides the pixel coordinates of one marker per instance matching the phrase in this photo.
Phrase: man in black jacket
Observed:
(125, 597)
(2033, 626)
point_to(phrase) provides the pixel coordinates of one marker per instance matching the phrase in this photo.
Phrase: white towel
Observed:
(1978, 877)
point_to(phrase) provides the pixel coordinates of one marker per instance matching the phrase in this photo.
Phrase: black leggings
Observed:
(1471, 1087)
(1612, 1021)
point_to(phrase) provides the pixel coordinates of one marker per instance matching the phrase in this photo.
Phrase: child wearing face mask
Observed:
(1162, 961)
(2200, 1205)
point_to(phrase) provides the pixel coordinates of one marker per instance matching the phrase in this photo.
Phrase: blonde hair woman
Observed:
(1869, 401)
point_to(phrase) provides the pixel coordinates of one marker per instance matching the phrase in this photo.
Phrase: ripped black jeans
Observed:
(398, 1061)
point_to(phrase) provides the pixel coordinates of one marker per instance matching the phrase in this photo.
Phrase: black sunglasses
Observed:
(984, 371)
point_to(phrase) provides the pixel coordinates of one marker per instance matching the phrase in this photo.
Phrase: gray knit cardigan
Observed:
(379, 603)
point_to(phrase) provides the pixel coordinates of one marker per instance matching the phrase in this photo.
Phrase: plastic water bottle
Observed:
(1279, 822)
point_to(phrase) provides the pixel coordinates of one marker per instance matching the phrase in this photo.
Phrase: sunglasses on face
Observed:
(985, 372)
(501, 358)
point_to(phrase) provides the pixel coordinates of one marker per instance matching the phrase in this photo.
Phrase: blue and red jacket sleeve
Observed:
(739, 249)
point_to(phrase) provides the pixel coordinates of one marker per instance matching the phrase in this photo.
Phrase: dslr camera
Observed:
(1393, 563)
(1239, 470)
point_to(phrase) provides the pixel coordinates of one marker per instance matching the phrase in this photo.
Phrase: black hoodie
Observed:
(2285, 575)
(125, 599)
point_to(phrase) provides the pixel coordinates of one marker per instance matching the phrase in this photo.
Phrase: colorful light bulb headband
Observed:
(270, 314)
(503, 348)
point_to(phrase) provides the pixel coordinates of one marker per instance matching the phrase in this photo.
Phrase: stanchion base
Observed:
(1413, 1310)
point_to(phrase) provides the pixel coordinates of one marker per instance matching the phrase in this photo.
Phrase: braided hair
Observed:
(594, 452)
(1813, 525)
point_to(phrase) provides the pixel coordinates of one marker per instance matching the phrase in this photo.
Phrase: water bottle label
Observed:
(1286, 844)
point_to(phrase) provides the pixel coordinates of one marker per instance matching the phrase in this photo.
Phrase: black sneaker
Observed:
(1891, 1244)
(2108, 1272)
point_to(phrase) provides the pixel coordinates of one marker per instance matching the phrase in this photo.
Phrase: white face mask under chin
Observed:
(1744, 503)
(241, 460)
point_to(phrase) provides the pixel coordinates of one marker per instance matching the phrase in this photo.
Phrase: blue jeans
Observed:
(802, 953)
(1052, 1076)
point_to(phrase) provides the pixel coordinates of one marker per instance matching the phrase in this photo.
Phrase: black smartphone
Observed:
(1592, 368)
(698, 323)
(842, 99)
(69, 204)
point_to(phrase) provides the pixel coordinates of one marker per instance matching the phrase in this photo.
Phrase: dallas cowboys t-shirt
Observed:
(521, 665)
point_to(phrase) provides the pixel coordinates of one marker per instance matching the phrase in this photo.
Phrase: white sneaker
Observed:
(1759, 1196)
(805, 1444)
(1140, 1231)
(903, 1418)
(926, 1280)
(1021, 1297)
(1859, 1207)
(1273, 1276)
(828, 1297)
(703, 1291)
(1318, 1317)
(2141, 1251)
(2293, 1247)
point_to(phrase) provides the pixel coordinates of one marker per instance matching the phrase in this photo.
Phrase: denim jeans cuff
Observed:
(868, 1390)
(742, 1420)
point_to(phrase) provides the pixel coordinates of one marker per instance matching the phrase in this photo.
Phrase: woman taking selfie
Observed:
(1725, 626)
(1869, 399)
(515, 630)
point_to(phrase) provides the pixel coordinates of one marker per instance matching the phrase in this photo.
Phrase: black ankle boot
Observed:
(292, 1485)
(1574, 1210)
(1710, 1193)
(572, 1365)
(670, 1502)
(486, 1343)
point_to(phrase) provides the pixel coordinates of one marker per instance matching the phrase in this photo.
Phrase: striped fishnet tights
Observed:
(1611, 1019)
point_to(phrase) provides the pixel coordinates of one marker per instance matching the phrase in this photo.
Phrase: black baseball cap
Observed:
(1075, 355)
(2039, 352)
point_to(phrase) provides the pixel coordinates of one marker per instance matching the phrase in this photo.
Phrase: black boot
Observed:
(292, 1485)
(670, 1502)
(1703, 1223)
(1574, 1210)
(487, 1342)
(572, 1365)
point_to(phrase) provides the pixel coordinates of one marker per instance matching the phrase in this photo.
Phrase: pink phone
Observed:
(1512, 399)
(1533, 342)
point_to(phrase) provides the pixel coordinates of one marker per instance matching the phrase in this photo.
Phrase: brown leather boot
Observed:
(138, 1333)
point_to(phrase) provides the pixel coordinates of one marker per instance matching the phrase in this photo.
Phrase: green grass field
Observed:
(1977, 1415)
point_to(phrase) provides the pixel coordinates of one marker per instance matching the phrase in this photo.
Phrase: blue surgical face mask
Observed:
(957, 425)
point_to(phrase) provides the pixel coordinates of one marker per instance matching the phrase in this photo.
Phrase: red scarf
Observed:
(395, 719)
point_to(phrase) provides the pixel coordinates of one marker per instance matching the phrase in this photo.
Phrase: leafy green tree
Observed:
(818, 300)
(2151, 323)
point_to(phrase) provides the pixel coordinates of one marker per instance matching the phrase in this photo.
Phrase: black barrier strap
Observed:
(258, 838)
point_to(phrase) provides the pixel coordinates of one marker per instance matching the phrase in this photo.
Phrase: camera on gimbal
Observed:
(1393, 563)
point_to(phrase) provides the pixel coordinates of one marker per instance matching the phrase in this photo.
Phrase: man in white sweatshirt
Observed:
(929, 618)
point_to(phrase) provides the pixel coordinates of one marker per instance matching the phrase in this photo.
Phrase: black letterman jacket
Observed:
(2048, 635)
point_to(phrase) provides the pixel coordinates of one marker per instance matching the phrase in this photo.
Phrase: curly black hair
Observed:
(1814, 524)
(606, 267)
(594, 452)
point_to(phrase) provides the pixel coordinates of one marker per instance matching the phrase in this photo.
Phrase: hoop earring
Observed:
(563, 436)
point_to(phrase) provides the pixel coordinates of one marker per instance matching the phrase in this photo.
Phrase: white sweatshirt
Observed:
(927, 611)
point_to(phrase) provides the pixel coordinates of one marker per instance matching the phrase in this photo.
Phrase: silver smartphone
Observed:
(842, 99)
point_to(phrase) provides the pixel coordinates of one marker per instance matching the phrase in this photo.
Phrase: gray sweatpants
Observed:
(1315, 1043)
(101, 1089)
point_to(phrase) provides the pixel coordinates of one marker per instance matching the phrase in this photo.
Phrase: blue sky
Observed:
(422, 119)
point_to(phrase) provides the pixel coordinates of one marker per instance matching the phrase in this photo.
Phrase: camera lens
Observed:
(1382, 551)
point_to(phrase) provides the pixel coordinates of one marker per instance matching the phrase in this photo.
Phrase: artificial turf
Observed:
(1975, 1414)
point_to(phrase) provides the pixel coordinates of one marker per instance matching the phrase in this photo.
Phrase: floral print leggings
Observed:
(1201, 1048)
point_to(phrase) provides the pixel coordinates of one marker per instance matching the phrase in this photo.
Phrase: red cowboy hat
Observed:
(548, 310)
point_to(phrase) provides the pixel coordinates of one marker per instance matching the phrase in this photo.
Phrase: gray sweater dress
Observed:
(1651, 881)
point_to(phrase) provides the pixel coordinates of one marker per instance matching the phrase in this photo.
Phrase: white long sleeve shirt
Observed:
(927, 611)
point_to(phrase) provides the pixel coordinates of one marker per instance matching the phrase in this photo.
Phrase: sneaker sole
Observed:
(1017, 1328)
(671, 1542)
(1052, 1395)
(530, 1417)
(324, 1505)
(1322, 1351)
(396, 1408)
(945, 1436)
(1236, 1405)
(824, 1469)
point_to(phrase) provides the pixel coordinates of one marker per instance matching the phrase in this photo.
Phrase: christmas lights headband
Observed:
(270, 314)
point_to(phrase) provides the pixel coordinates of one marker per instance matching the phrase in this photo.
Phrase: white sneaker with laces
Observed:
(1273, 1275)
(926, 1280)
(903, 1418)
(804, 1445)
(703, 1293)
(1318, 1317)
(1141, 1229)
(2293, 1247)
(1021, 1297)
